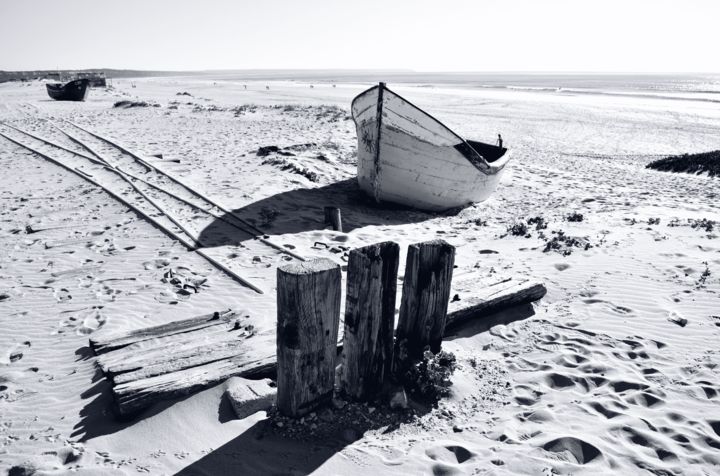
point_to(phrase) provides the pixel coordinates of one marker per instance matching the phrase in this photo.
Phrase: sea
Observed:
(701, 87)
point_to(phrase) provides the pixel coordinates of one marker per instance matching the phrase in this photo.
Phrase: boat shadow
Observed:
(302, 210)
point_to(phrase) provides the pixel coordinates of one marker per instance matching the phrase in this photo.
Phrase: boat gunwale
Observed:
(492, 167)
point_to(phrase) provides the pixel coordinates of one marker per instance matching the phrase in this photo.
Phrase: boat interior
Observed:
(490, 153)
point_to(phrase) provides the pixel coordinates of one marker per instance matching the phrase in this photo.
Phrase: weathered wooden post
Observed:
(333, 218)
(308, 315)
(425, 297)
(369, 319)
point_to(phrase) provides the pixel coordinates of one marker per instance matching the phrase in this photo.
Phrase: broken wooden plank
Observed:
(203, 353)
(132, 397)
(158, 350)
(105, 343)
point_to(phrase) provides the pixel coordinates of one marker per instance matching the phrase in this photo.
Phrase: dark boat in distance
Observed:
(73, 91)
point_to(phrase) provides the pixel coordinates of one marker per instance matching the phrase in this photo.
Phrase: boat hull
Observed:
(73, 91)
(406, 156)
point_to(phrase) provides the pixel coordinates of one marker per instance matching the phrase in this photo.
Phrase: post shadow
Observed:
(263, 449)
(300, 210)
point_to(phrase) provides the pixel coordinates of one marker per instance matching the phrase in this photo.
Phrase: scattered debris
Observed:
(680, 321)
(250, 396)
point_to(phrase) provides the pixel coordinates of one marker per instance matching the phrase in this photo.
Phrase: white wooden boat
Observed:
(406, 156)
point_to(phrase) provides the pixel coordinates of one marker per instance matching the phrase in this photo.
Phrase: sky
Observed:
(420, 35)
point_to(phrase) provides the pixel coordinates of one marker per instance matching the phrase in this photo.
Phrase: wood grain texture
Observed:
(106, 342)
(133, 397)
(369, 319)
(425, 298)
(308, 316)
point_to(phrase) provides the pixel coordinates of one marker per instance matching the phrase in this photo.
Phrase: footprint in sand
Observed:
(83, 322)
(572, 449)
(451, 454)
(526, 395)
(604, 410)
(62, 295)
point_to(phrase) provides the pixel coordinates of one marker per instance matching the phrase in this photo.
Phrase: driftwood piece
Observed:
(333, 218)
(308, 315)
(424, 304)
(369, 319)
(474, 304)
(104, 342)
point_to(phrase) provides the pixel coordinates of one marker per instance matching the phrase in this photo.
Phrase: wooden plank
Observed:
(486, 301)
(424, 303)
(369, 319)
(333, 218)
(156, 352)
(106, 342)
(308, 316)
(204, 352)
(132, 397)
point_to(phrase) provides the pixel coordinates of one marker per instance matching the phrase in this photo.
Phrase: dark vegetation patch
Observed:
(327, 113)
(575, 217)
(523, 228)
(690, 163)
(702, 224)
(538, 222)
(429, 379)
(125, 104)
(287, 166)
(565, 244)
(519, 229)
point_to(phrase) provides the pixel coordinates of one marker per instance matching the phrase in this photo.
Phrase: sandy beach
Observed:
(615, 371)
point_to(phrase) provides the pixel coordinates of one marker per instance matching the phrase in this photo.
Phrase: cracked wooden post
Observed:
(333, 218)
(308, 315)
(369, 319)
(425, 298)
